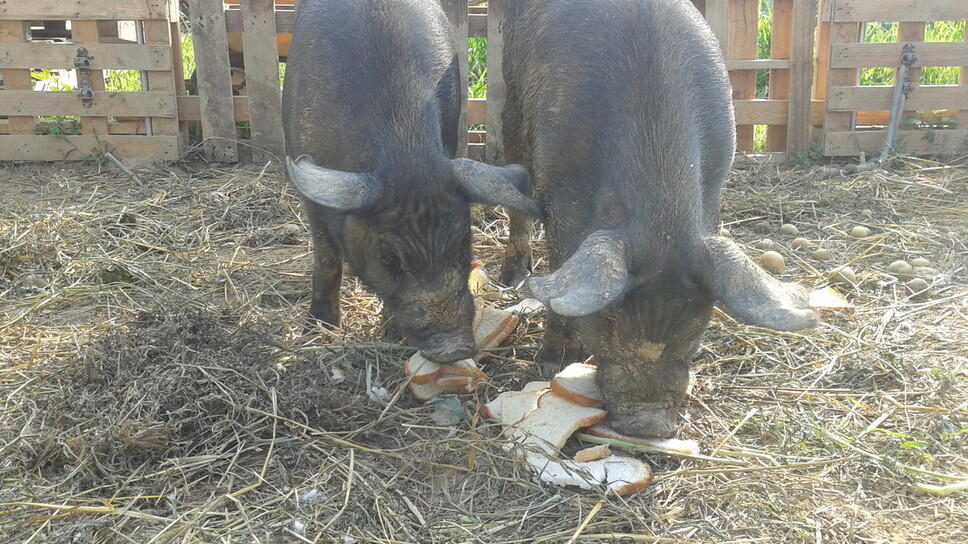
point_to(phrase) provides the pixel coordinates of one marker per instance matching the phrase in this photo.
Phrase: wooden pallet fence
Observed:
(788, 110)
(86, 40)
(857, 115)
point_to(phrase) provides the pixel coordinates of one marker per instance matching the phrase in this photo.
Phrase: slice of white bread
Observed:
(421, 370)
(622, 475)
(593, 453)
(576, 382)
(549, 426)
(602, 430)
(511, 407)
(496, 324)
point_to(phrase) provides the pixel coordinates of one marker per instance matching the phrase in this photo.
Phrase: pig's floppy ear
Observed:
(341, 191)
(590, 280)
(496, 185)
(751, 294)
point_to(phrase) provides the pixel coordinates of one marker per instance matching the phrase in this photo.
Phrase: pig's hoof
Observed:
(645, 419)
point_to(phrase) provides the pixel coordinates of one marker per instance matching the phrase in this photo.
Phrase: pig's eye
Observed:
(390, 258)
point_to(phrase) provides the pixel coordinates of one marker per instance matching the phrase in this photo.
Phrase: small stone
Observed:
(765, 243)
(773, 262)
(900, 268)
(866, 214)
(34, 281)
(289, 234)
(725, 233)
(801, 243)
(789, 229)
(924, 272)
(860, 232)
(920, 261)
(843, 275)
(820, 255)
(762, 227)
(918, 288)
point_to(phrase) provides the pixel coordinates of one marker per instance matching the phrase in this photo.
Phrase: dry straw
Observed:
(158, 384)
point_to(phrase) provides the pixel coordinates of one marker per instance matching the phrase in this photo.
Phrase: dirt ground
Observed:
(157, 384)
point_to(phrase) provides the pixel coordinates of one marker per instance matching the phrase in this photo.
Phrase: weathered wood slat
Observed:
(758, 64)
(106, 56)
(717, 15)
(214, 80)
(781, 47)
(496, 88)
(840, 77)
(262, 81)
(190, 108)
(927, 97)
(922, 142)
(860, 11)
(741, 44)
(85, 33)
(456, 11)
(60, 148)
(129, 10)
(115, 104)
(13, 33)
(864, 55)
(158, 33)
(285, 21)
(476, 111)
(800, 117)
(773, 112)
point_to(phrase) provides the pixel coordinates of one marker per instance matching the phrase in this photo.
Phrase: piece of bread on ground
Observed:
(576, 382)
(422, 371)
(495, 408)
(593, 453)
(603, 430)
(511, 406)
(549, 426)
(829, 299)
(622, 475)
(495, 326)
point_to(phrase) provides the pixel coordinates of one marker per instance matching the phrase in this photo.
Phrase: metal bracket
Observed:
(82, 62)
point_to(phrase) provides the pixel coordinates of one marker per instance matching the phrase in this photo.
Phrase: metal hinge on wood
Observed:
(83, 64)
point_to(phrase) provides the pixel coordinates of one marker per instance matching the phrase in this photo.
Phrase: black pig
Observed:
(370, 110)
(621, 111)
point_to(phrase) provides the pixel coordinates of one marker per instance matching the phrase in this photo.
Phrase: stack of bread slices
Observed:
(429, 379)
(543, 416)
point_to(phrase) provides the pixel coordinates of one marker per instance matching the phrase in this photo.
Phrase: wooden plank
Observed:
(476, 111)
(496, 88)
(781, 47)
(841, 77)
(860, 11)
(921, 142)
(717, 15)
(773, 112)
(477, 25)
(88, 10)
(801, 77)
(178, 72)
(190, 108)
(61, 56)
(865, 55)
(925, 97)
(159, 33)
(85, 33)
(14, 33)
(962, 115)
(456, 11)
(60, 148)
(285, 21)
(214, 80)
(115, 104)
(822, 59)
(741, 44)
(889, 54)
(910, 33)
(758, 64)
(262, 81)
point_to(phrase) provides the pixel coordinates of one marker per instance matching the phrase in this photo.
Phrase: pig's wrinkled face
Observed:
(644, 346)
(416, 256)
